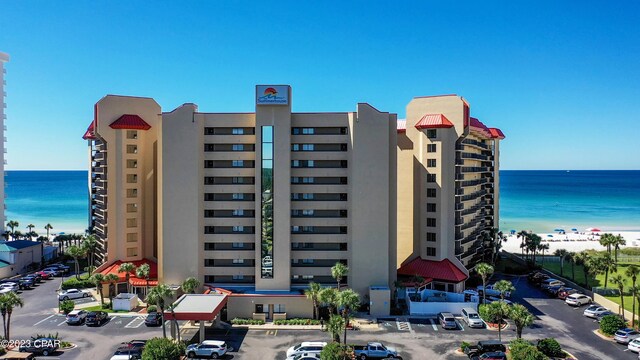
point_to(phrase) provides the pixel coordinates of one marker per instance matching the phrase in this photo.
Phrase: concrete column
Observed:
(216, 322)
(173, 329)
(201, 330)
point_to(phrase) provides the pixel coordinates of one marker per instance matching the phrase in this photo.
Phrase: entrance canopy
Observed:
(133, 280)
(203, 307)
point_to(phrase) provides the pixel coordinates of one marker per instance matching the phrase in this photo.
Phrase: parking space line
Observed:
(63, 322)
(43, 320)
(135, 323)
(460, 324)
(433, 325)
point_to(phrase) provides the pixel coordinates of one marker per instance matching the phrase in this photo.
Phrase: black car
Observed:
(553, 290)
(153, 319)
(37, 278)
(130, 351)
(25, 283)
(96, 318)
(44, 346)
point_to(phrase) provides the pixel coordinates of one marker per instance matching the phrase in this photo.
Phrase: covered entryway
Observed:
(196, 307)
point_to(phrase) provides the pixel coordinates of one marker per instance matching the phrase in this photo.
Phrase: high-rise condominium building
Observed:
(3, 117)
(262, 201)
(448, 190)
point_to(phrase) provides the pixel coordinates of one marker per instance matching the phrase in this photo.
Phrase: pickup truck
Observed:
(474, 351)
(491, 291)
(375, 350)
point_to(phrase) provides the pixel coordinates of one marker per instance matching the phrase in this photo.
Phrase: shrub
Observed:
(73, 283)
(297, 322)
(464, 346)
(610, 324)
(162, 349)
(106, 306)
(152, 308)
(67, 306)
(523, 350)
(240, 321)
(550, 347)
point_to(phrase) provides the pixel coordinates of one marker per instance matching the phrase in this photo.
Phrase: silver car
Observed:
(594, 310)
(447, 321)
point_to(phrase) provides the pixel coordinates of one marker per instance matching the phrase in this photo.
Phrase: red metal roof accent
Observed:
(153, 272)
(90, 133)
(496, 133)
(434, 121)
(401, 126)
(130, 122)
(437, 270)
(479, 128)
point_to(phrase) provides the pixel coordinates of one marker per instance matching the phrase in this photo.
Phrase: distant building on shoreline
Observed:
(265, 202)
(3, 117)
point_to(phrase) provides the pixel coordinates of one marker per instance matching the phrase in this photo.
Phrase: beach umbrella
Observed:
(592, 229)
(574, 229)
(558, 230)
(595, 230)
(549, 235)
(513, 231)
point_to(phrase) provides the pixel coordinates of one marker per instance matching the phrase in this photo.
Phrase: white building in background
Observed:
(3, 59)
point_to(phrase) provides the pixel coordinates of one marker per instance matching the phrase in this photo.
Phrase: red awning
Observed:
(443, 270)
(90, 133)
(434, 121)
(479, 128)
(131, 122)
(401, 126)
(113, 269)
(496, 133)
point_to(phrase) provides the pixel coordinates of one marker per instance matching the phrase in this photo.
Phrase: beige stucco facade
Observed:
(246, 306)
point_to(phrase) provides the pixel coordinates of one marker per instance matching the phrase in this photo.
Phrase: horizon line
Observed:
(500, 169)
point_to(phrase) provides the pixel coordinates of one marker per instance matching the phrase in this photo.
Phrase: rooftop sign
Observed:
(272, 95)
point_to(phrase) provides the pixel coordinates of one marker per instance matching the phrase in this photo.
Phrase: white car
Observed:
(305, 356)
(10, 285)
(306, 347)
(594, 310)
(578, 300)
(72, 294)
(634, 345)
(491, 291)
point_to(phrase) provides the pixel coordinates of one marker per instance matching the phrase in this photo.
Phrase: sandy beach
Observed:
(572, 241)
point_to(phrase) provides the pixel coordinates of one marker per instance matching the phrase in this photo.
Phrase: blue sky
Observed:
(561, 79)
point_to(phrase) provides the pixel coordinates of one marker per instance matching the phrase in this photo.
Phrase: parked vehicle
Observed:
(96, 318)
(578, 300)
(37, 278)
(73, 294)
(624, 336)
(305, 356)
(538, 278)
(209, 348)
(490, 291)
(43, 346)
(306, 347)
(491, 299)
(447, 321)
(550, 282)
(127, 353)
(608, 312)
(153, 319)
(634, 345)
(562, 294)
(487, 346)
(52, 271)
(553, 290)
(61, 267)
(44, 274)
(25, 283)
(472, 318)
(593, 311)
(76, 317)
(374, 350)
(12, 286)
(494, 355)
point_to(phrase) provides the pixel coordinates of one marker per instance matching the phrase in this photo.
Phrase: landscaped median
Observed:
(518, 349)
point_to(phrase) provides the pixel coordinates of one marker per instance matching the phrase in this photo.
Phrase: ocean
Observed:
(530, 200)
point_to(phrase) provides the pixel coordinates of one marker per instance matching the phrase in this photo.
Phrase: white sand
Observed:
(572, 242)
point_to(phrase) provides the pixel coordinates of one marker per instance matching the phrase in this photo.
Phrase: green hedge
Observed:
(297, 322)
(73, 283)
(551, 348)
(611, 323)
(240, 321)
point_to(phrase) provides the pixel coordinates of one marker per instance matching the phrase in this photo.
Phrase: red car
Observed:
(562, 294)
(45, 275)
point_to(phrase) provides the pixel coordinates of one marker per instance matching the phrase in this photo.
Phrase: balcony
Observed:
(475, 143)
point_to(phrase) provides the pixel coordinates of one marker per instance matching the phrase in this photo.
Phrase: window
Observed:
(209, 246)
(132, 222)
(431, 148)
(307, 261)
(237, 131)
(237, 147)
(431, 237)
(431, 193)
(132, 252)
(431, 178)
(131, 208)
(238, 228)
(238, 163)
(132, 149)
(132, 134)
(237, 245)
(431, 133)
(132, 178)
(431, 207)
(132, 237)
(238, 277)
(431, 251)
(431, 163)
(266, 237)
(238, 212)
(279, 308)
(132, 164)
(431, 222)
(238, 196)
(238, 261)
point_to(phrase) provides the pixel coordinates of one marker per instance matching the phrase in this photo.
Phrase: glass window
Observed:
(431, 236)
(431, 251)
(431, 162)
(431, 178)
(431, 193)
(237, 131)
(431, 207)
(266, 246)
(431, 133)
(431, 148)
(431, 222)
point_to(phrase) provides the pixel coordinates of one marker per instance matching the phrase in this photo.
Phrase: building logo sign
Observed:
(272, 95)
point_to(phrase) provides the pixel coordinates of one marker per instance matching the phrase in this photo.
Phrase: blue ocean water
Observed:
(40, 197)
(530, 200)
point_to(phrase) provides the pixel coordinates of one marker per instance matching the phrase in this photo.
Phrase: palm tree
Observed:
(562, 254)
(534, 244)
(348, 300)
(76, 252)
(329, 297)
(12, 224)
(190, 285)
(632, 272)
(126, 268)
(484, 270)
(608, 265)
(335, 326)
(595, 265)
(617, 242)
(521, 317)
(524, 235)
(619, 281)
(157, 295)
(417, 281)
(112, 279)
(339, 271)
(582, 258)
(90, 245)
(607, 240)
(97, 280)
(48, 227)
(313, 294)
(571, 257)
(30, 228)
(143, 272)
(543, 248)
(8, 302)
(504, 286)
(498, 310)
